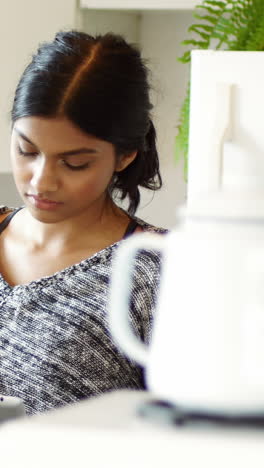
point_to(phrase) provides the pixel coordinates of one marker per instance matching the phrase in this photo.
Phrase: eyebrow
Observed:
(64, 153)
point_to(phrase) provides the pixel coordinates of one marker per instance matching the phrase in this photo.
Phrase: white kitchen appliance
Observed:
(207, 349)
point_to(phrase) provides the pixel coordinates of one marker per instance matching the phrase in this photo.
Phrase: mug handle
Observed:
(120, 293)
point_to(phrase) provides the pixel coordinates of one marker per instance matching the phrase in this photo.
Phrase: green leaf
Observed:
(197, 27)
(215, 3)
(195, 43)
(182, 138)
(213, 11)
(186, 57)
(210, 19)
(204, 36)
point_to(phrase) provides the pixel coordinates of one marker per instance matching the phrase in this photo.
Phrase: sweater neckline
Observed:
(82, 266)
(58, 276)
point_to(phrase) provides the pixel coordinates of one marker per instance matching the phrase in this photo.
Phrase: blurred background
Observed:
(157, 26)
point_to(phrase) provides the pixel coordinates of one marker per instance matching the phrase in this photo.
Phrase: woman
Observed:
(81, 137)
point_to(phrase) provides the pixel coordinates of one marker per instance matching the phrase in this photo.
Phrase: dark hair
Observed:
(101, 84)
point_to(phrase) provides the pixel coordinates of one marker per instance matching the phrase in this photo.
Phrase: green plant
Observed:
(226, 25)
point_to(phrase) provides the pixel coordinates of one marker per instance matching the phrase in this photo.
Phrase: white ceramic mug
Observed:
(207, 348)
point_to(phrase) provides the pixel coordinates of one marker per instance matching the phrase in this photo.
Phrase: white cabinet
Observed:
(139, 4)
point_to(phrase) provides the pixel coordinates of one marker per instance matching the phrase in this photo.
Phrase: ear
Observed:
(125, 160)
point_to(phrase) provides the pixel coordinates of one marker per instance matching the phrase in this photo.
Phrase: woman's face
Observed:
(59, 170)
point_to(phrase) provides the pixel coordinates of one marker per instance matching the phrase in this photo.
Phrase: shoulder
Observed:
(150, 227)
(148, 261)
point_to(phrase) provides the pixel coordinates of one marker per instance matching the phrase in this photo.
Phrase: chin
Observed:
(46, 217)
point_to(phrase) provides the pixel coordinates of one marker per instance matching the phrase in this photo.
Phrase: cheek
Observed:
(88, 187)
(95, 182)
(84, 188)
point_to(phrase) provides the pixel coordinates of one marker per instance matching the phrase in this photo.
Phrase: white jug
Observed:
(207, 348)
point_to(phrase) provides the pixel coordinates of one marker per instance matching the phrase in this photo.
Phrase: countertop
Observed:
(106, 432)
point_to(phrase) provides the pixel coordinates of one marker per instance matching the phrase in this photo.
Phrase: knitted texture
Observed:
(55, 344)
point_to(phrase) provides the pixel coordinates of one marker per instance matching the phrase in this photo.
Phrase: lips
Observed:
(45, 200)
(43, 203)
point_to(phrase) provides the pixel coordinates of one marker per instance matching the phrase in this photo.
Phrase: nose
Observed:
(44, 176)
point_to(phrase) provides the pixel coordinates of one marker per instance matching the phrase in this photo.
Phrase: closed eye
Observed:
(26, 153)
(75, 168)
(69, 166)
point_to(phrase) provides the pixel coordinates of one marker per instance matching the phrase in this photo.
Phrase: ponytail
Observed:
(143, 172)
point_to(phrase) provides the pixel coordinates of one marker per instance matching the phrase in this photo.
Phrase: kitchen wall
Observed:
(161, 35)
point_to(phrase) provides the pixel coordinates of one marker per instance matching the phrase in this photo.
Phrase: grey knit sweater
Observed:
(55, 344)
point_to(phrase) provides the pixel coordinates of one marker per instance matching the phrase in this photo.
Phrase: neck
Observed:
(71, 232)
